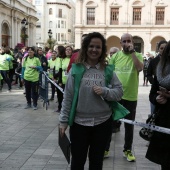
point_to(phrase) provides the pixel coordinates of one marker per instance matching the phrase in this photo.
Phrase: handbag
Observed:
(146, 133)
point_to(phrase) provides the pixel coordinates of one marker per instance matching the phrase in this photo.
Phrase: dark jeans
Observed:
(91, 140)
(11, 74)
(60, 97)
(18, 77)
(131, 106)
(52, 90)
(31, 89)
(145, 79)
(5, 75)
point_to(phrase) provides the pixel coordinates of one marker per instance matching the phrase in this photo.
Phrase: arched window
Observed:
(50, 11)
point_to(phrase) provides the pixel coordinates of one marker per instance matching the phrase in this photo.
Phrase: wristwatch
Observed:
(132, 51)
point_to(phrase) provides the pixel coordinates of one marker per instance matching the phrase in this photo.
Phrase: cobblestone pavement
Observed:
(29, 138)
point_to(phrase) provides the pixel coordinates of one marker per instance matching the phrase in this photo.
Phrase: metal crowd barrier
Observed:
(43, 89)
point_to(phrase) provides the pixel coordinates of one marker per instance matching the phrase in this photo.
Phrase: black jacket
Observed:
(159, 147)
(151, 71)
(42, 60)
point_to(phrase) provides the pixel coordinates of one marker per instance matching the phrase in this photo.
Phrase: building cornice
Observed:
(58, 3)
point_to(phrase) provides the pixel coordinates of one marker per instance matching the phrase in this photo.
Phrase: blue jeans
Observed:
(91, 140)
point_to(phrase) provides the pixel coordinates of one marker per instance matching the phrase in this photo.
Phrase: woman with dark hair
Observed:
(159, 147)
(58, 73)
(5, 62)
(84, 107)
(30, 74)
(153, 63)
(151, 71)
(64, 61)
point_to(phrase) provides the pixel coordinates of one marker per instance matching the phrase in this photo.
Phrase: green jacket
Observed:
(78, 72)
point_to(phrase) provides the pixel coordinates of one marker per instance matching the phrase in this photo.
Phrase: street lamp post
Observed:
(24, 24)
(50, 36)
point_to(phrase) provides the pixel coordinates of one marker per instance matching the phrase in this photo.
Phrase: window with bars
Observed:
(136, 16)
(90, 16)
(50, 11)
(62, 24)
(114, 16)
(60, 13)
(58, 36)
(62, 36)
(160, 16)
(58, 23)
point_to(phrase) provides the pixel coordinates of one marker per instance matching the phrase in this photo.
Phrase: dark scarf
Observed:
(164, 81)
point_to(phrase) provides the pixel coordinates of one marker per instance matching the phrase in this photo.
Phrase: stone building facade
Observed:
(147, 20)
(57, 16)
(12, 12)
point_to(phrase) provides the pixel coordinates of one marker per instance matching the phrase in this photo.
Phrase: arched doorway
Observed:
(155, 41)
(5, 35)
(113, 41)
(138, 44)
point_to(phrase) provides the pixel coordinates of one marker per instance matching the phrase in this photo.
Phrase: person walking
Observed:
(63, 74)
(128, 64)
(30, 74)
(90, 118)
(58, 73)
(159, 147)
(51, 67)
(18, 71)
(5, 60)
(64, 64)
(145, 67)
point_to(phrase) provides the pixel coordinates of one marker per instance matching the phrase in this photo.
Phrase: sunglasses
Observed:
(128, 41)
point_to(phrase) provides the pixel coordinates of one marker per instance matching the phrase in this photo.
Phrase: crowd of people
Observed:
(84, 105)
(22, 67)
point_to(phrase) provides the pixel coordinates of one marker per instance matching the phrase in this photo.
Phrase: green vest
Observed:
(77, 72)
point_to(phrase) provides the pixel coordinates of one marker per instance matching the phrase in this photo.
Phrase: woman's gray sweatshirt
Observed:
(91, 108)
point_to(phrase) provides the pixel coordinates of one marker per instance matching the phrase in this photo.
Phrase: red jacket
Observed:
(72, 60)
